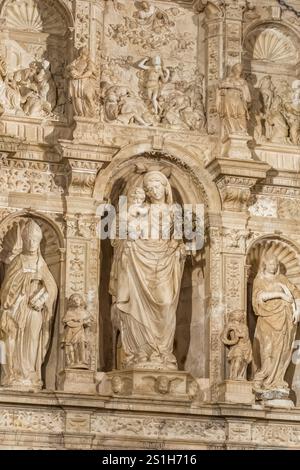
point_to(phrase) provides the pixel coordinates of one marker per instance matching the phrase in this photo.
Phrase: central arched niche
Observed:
(289, 258)
(191, 338)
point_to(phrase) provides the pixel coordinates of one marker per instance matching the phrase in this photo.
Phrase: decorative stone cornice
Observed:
(235, 179)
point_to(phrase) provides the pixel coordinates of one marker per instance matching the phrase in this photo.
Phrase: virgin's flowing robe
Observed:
(275, 331)
(145, 285)
(24, 330)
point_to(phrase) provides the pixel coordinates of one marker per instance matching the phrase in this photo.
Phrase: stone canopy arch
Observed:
(179, 160)
(57, 7)
(267, 45)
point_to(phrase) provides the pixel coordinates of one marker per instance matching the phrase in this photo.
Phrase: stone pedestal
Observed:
(274, 398)
(235, 178)
(148, 383)
(77, 381)
(85, 130)
(236, 391)
(236, 146)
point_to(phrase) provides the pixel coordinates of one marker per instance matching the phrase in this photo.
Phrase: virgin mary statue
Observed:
(145, 281)
(28, 296)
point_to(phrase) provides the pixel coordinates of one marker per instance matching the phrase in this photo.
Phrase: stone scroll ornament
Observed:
(145, 282)
(28, 298)
(276, 302)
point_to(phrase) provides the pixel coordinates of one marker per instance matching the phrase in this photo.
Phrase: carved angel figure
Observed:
(156, 77)
(28, 297)
(236, 336)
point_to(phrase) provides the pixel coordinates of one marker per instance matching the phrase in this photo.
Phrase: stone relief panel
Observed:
(31, 177)
(152, 76)
(34, 57)
(34, 421)
(154, 428)
(270, 57)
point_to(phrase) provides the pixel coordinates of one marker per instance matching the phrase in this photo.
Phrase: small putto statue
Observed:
(236, 336)
(75, 344)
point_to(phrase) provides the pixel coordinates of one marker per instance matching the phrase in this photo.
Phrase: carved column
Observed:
(88, 22)
(234, 179)
(234, 10)
(215, 306)
(82, 260)
(213, 24)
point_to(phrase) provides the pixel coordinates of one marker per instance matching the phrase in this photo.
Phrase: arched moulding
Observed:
(286, 251)
(10, 229)
(189, 176)
(129, 175)
(47, 16)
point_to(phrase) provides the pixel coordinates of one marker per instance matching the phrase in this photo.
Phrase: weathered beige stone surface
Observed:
(140, 344)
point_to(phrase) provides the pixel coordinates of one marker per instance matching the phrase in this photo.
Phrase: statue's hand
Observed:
(296, 316)
(37, 304)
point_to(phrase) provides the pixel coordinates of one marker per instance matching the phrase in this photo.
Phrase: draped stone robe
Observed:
(25, 330)
(275, 331)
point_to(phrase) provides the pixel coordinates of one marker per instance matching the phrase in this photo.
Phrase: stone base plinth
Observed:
(77, 381)
(150, 383)
(85, 130)
(236, 146)
(236, 391)
(274, 398)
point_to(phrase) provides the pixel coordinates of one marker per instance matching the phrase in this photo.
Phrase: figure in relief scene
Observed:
(267, 90)
(46, 86)
(137, 214)
(156, 77)
(292, 108)
(279, 128)
(236, 336)
(2, 85)
(122, 105)
(75, 344)
(83, 83)
(233, 100)
(145, 283)
(276, 302)
(28, 297)
(155, 18)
